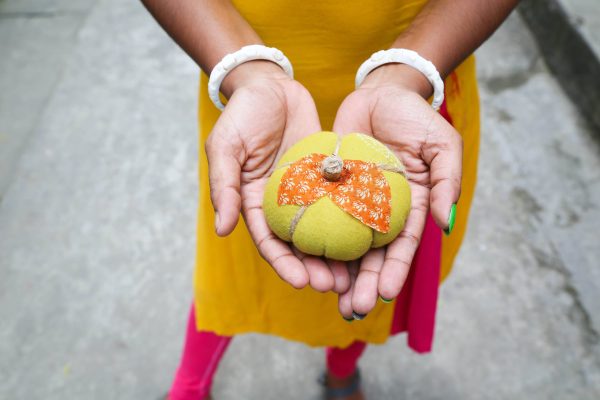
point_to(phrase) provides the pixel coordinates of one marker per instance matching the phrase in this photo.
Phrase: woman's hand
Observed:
(391, 106)
(266, 114)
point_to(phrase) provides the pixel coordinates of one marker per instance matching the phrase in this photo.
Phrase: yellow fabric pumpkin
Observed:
(357, 200)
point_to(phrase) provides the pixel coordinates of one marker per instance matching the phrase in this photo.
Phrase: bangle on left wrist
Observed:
(399, 74)
(413, 60)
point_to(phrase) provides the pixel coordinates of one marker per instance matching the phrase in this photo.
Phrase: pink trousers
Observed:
(202, 352)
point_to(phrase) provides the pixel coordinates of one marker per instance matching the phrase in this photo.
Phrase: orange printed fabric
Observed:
(362, 190)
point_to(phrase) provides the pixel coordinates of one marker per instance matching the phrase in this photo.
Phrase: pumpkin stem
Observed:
(332, 167)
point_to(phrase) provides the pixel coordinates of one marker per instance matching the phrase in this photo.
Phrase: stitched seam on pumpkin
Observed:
(336, 150)
(287, 164)
(296, 220)
(392, 168)
(338, 144)
(384, 152)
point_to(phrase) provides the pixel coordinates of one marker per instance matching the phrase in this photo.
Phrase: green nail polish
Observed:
(348, 319)
(451, 220)
(387, 301)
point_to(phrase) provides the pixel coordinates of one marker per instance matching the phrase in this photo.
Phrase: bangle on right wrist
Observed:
(410, 58)
(399, 74)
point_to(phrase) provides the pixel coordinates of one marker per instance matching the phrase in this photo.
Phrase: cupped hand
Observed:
(266, 114)
(390, 105)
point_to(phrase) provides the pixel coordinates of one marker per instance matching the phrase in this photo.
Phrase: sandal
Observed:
(333, 393)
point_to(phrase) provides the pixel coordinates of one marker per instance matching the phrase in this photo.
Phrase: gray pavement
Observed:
(585, 15)
(568, 33)
(97, 225)
(36, 38)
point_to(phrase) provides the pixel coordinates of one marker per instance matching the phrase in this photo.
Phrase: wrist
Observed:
(249, 72)
(395, 74)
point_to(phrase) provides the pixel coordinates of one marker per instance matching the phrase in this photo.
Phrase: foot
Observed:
(332, 382)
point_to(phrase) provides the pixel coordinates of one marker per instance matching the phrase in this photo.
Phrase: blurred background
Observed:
(98, 196)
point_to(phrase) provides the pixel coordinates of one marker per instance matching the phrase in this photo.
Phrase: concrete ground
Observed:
(587, 20)
(568, 34)
(97, 218)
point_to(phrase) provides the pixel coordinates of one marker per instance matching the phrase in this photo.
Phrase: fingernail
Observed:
(358, 316)
(451, 220)
(387, 301)
(348, 319)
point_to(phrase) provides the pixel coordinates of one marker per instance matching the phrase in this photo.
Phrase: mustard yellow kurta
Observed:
(235, 290)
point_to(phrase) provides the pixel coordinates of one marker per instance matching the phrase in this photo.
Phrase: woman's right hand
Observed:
(266, 114)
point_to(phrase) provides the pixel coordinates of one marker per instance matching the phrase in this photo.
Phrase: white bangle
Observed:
(408, 57)
(245, 54)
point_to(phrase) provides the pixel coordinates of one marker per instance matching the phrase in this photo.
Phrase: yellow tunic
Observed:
(235, 290)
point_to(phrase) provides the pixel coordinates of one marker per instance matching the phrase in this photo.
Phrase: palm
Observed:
(401, 121)
(258, 125)
(265, 132)
(417, 134)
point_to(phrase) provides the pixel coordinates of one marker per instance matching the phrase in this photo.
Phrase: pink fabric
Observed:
(417, 302)
(201, 355)
(342, 362)
(203, 351)
(416, 305)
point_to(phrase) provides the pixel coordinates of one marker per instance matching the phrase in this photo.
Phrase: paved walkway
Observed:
(568, 32)
(97, 228)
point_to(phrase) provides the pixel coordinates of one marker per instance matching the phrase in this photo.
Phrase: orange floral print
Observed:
(362, 190)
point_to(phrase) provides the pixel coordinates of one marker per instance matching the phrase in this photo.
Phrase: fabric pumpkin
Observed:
(337, 197)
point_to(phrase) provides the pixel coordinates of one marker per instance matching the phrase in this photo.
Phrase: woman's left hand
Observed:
(391, 106)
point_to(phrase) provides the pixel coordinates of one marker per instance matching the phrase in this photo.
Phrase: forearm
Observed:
(207, 30)
(446, 32)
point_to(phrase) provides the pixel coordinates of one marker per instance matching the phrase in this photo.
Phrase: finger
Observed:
(341, 277)
(319, 275)
(443, 154)
(275, 251)
(345, 299)
(353, 116)
(400, 253)
(225, 159)
(365, 293)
